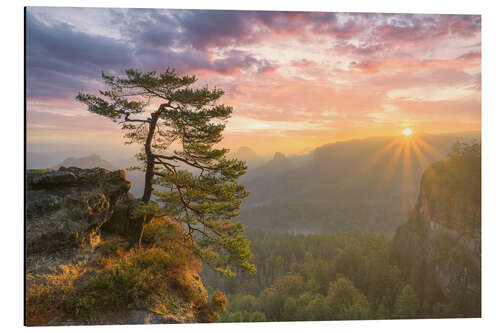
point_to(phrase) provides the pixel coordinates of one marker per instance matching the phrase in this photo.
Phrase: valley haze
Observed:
(369, 183)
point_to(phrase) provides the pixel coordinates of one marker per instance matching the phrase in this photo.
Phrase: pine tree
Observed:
(178, 137)
(346, 301)
(407, 303)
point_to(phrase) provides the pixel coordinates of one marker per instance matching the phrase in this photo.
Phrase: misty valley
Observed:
(369, 184)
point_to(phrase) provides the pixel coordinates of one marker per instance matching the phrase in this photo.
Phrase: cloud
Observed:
(464, 61)
(463, 25)
(459, 110)
(472, 55)
(208, 41)
(368, 66)
(62, 60)
(405, 34)
(208, 29)
(330, 71)
(301, 100)
(407, 28)
(434, 78)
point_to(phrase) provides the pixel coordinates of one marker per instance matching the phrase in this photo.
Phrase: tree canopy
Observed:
(179, 127)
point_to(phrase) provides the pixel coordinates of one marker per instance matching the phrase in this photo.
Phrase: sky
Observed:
(296, 80)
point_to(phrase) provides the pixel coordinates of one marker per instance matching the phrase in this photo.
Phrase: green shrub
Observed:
(162, 278)
(111, 289)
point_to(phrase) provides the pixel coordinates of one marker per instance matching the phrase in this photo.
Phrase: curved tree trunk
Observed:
(148, 184)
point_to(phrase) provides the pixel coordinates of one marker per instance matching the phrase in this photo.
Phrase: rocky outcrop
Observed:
(64, 207)
(83, 264)
(122, 221)
(439, 248)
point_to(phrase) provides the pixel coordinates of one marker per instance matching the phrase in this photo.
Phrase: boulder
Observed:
(121, 222)
(64, 207)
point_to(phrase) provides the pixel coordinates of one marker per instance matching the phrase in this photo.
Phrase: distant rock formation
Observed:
(86, 162)
(279, 156)
(439, 248)
(246, 154)
(279, 163)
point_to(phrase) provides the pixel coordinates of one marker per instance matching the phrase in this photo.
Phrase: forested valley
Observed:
(430, 269)
(321, 277)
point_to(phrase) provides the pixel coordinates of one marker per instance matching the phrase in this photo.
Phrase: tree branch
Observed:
(169, 166)
(200, 231)
(193, 164)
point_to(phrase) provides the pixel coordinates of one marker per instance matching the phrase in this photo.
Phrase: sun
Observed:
(407, 131)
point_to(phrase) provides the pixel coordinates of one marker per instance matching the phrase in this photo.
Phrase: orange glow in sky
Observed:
(296, 80)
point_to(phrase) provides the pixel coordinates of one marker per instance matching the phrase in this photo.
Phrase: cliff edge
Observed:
(439, 248)
(84, 266)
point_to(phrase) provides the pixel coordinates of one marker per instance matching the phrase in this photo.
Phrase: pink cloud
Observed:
(333, 71)
(458, 110)
(465, 61)
(368, 66)
(298, 100)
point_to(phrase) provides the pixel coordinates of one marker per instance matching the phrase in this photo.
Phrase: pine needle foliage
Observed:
(179, 128)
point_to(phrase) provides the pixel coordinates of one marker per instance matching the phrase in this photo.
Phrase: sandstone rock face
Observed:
(440, 245)
(64, 207)
(121, 222)
(78, 220)
(145, 317)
